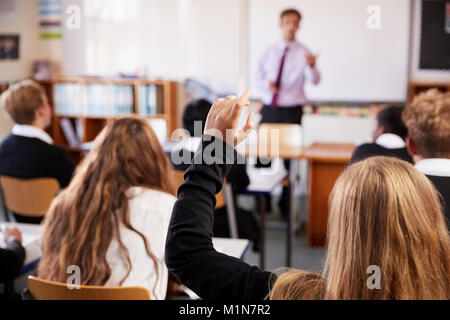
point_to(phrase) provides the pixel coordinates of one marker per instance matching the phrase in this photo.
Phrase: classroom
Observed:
(212, 150)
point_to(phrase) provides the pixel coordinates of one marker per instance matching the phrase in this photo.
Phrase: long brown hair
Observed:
(385, 213)
(87, 215)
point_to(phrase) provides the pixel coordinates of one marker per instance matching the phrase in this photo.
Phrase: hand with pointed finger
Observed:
(224, 116)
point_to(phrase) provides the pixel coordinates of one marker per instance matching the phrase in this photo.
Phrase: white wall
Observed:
(163, 38)
(357, 64)
(417, 74)
(26, 25)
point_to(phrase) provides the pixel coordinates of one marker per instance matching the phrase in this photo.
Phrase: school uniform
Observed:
(11, 261)
(190, 254)
(387, 144)
(149, 212)
(438, 171)
(28, 153)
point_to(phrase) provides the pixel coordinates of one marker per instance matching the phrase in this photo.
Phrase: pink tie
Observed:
(278, 82)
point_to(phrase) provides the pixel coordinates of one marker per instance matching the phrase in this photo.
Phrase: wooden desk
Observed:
(326, 162)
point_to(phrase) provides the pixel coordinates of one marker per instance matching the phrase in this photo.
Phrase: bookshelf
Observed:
(89, 104)
(417, 87)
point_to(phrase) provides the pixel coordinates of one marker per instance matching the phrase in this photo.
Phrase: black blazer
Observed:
(29, 158)
(11, 261)
(190, 254)
(442, 184)
(367, 150)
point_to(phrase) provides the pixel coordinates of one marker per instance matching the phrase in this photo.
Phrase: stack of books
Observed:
(150, 100)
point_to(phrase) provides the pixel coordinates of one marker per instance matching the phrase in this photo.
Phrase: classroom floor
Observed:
(303, 256)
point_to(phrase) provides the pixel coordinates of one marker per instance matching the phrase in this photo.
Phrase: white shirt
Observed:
(434, 167)
(390, 141)
(296, 72)
(28, 131)
(150, 213)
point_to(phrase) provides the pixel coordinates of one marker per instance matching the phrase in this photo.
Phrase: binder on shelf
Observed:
(69, 132)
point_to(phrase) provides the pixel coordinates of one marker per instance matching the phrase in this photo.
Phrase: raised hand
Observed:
(224, 116)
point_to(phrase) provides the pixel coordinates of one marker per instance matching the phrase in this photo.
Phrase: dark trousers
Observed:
(282, 115)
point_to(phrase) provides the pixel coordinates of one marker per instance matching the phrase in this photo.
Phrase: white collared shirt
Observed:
(150, 212)
(28, 131)
(390, 141)
(296, 72)
(434, 167)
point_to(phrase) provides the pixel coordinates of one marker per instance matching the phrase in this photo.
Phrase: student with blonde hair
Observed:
(384, 217)
(428, 121)
(112, 219)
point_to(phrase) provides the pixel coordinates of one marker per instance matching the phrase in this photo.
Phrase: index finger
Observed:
(244, 99)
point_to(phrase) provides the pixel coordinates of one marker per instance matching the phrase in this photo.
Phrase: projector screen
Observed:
(357, 63)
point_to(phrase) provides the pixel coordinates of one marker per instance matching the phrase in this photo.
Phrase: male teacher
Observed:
(282, 72)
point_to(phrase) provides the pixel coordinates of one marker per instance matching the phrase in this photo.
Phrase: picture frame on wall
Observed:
(9, 47)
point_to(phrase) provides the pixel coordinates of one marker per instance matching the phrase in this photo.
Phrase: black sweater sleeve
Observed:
(11, 261)
(190, 254)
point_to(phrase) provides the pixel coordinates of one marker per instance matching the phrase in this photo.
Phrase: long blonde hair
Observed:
(86, 216)
(382, 213)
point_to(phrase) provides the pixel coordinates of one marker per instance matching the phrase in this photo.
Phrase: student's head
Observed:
(85, 217)
(196, 111)
(385, 222)
(27, 103)
(389, 120)
(428, 121)
(290, 23)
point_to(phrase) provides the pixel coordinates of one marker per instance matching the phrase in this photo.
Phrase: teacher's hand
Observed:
(311, 60)
(273, 87)
(224, 116)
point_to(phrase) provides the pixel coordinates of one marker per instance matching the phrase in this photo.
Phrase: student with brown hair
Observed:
(28, 152)
(383, 214)
(112, 219)
(428, 142)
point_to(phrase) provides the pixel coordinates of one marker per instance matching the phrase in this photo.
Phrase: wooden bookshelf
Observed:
(93, 124)
(418, 87)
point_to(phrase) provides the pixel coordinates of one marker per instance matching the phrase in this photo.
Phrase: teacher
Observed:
(282, 71)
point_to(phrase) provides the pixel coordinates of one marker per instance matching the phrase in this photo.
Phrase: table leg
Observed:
(262, 231)
(293, 174)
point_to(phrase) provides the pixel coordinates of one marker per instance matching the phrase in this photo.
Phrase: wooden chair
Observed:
(29, 198)
(224, 197)
(49, 290)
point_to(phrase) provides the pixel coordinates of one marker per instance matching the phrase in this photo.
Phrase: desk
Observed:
(32, 236)
(326, 162)
(31, 241)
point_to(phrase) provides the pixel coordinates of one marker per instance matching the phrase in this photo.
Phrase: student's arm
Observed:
(11, 261)
(190, 254)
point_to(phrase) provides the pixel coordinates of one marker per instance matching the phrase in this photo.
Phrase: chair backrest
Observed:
(49, 290)
(179, 179)
(30, 197)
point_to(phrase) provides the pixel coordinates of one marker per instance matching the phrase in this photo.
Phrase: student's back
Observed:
(112, 219)
(28, 158)
(388, 137)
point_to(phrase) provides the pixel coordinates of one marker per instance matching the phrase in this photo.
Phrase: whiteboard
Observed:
(356, 63)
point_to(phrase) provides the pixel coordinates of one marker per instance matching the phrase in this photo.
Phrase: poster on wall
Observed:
(9, 47)
(8, 11)
(50, 17)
